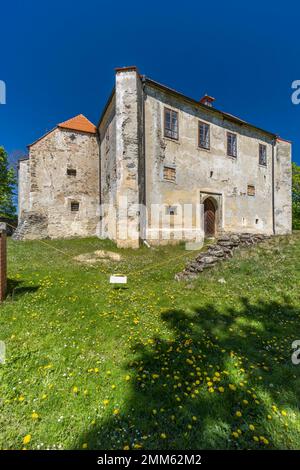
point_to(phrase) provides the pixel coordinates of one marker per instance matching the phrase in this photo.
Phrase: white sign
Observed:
(118, 279)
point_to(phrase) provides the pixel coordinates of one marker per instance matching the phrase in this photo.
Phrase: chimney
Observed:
(207, 100)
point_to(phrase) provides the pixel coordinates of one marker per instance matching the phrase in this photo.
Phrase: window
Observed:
(204, 135)
(262, 154)
(171, 124)
(171, 210)
(71, 172)
(169, 173)
(231, 145)
(251, 190)
(74, 206)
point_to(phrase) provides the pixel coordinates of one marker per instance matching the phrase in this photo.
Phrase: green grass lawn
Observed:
(158, 365)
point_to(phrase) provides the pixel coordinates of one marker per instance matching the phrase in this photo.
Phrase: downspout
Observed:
(273, 185)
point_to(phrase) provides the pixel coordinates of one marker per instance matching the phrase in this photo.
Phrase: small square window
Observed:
(171, 210)
(171, 124)
(231, 144)
(169, 173)
(71, 172)
(251, 190)
(262, 155)
(204, 135)
(74, 206)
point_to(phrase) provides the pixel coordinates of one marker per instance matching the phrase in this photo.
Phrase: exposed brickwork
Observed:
(3, 263)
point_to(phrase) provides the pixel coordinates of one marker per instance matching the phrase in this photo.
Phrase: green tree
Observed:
(296, 196)
(7, 186)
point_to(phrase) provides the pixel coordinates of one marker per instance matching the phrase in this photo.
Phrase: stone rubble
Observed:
(222, 249)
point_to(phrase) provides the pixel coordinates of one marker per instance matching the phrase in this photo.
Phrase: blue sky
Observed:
(58, 59)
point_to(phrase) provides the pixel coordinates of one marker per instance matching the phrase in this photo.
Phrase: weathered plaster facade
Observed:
(47, 190)
(122, 168)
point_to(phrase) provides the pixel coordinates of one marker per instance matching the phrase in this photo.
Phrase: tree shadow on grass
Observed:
(222, 372)
(15, 289)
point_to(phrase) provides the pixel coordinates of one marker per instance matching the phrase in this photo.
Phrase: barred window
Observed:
(204, 135)
(171, 124)
(231, 144)
(71, 172)
(171, 210)
(262, 154)
(169, 173)
(251, 190)
(74, 206)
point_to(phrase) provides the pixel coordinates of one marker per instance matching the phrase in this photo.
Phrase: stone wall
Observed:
(128, 155)
(3, 262)
(49, 190)
(283, 187)
(223, 249)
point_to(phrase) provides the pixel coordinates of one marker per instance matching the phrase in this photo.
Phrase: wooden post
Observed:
(3, 262)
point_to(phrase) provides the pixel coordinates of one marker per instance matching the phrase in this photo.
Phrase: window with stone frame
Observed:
(262, 155)
(171, 123)
(231, 144)
(204, 135)
(169, 173)
(71, 172)
(74, 206)
(251, 190)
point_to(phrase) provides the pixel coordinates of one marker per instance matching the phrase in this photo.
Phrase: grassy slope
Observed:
(159, 365)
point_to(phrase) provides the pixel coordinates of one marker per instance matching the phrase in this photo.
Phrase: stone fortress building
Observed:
(159, 167)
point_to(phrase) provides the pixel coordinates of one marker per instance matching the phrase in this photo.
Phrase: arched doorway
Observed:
(209, 218)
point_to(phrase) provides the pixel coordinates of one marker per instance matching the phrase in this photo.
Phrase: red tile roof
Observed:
(79, 123)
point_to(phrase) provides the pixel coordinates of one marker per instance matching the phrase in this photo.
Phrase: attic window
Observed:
(169, 173)
(251, 190)
(71, 172)
(74, 206)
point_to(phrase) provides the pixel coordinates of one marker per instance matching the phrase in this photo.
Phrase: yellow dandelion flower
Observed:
(163, 435)
(211, 390)
(221, 389)
(75, 389)
(269, 417)
(232, 387)
(21, 398)
(84, 446)
(27, 439)
(284, 413)
(34, 415)
(238, 414)
(251, 427)
(126, 447)
(116, 411)
(255, 438)
(235, 434)
(105, 402)
(127, 377)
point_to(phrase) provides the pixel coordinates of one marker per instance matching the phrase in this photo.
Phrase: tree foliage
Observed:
(296, 196)
(7, 186)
